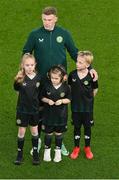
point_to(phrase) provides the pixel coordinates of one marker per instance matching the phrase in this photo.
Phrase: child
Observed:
(27, 83)
(56, 96)
(64, 151)
(83, 90)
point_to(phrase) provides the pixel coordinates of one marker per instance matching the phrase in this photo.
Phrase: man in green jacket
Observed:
(50, 43)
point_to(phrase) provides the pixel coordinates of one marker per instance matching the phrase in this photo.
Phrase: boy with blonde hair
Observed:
(83, 90)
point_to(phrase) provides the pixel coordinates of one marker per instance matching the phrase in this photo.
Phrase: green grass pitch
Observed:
(94, 26)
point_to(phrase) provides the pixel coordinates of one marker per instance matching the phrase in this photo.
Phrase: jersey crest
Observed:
(37, 84)
(86, 82)
(62, 94)
(59, 39)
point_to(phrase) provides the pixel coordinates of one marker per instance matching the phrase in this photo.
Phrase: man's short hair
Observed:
(49, 10)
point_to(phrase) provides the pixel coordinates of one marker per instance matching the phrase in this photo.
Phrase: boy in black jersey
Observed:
(83, 90)
(56, 96)
(27, 83)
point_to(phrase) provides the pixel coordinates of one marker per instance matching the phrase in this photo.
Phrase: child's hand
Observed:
(50, 102)
(19, 74)
(58, 102)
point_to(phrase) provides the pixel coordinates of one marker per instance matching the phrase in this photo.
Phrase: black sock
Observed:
(58, 141)
(77, 140)
(48, 139)
(77, 133)
(87, 140)
(35, 143)
(87, 131)
(20, 143)
(39, 129)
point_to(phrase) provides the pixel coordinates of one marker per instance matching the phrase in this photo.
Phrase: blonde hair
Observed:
(21, 73)
(87, 55)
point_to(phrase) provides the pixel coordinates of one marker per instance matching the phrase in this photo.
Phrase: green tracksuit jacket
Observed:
(50, 47)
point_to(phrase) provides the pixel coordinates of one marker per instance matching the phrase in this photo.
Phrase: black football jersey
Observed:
(55, 115)
(28, 97)
(82, 92)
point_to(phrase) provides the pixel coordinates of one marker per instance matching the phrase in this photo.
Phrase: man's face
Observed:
(49, 21)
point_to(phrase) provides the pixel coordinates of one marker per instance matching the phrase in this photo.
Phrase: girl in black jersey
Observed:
(56, 96)
(27, 83)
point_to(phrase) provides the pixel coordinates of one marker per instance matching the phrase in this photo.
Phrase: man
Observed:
(49, 44)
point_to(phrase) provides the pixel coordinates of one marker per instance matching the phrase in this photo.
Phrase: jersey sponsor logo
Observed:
(18, 121)
(62, 94)
(86, 83)
(74, 80)
(59, 39)
(41, 40)
(37, 84)
(48, 93)
(24, 84)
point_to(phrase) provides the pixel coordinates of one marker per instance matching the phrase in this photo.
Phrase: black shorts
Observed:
(82, 118)
(57, 129)
(41, 108)
(23, 120)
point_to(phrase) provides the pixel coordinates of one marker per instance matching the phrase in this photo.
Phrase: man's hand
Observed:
(94, 74)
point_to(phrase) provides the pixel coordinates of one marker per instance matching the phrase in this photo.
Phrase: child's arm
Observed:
(17, 80)
(67, 98)
(95, 87)
(43, 96)
(48, 101)
(16, 85)
(62, 101)
(66, 101)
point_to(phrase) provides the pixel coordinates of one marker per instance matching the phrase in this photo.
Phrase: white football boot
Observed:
(47, 155)
(57, 157)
